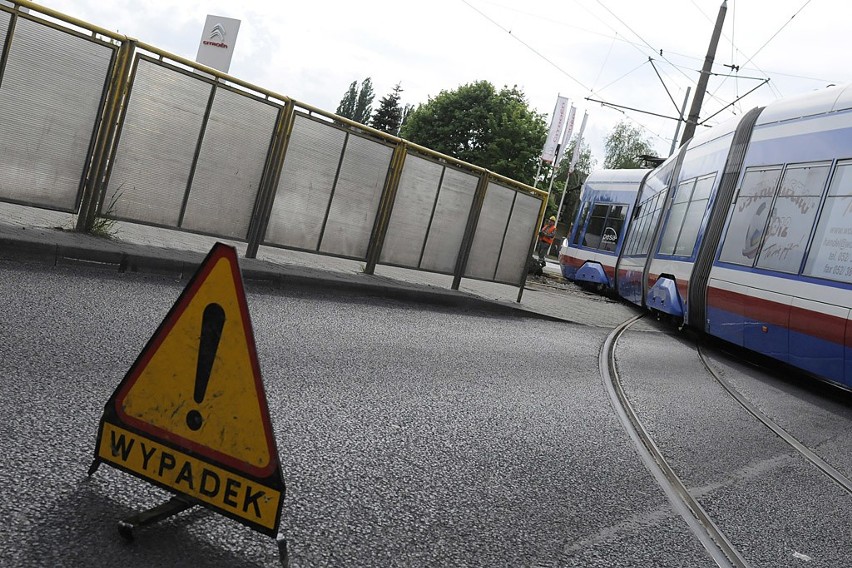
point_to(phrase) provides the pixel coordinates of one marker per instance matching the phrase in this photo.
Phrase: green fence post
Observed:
(470, 229)
(525, 271)
(269, 181)
(380, 227)
(93, 176)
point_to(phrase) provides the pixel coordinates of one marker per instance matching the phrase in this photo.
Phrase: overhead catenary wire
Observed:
(777, 32)
(525, 44)
(555, 65)
(642, 46)
(606, 60)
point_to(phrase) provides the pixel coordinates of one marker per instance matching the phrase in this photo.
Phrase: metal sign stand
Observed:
(122, 435)
(156, 514)
(172, 507)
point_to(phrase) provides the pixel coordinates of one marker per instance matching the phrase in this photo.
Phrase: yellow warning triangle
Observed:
(191, 414)
(197, 383)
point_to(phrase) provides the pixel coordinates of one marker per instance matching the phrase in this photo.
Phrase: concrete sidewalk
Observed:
(28, 233)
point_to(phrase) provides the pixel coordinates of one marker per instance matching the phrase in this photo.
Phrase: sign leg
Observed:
(283, 555)
(168, 509)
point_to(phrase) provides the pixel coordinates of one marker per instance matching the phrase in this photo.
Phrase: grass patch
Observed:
(102, 225)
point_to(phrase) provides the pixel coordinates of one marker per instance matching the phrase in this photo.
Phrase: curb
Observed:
(182, 264)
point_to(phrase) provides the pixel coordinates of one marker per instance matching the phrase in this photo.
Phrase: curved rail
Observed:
(805, 452)
(711, 537)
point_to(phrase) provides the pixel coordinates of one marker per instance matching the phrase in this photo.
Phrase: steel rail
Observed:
(804, 451)
(702, 526)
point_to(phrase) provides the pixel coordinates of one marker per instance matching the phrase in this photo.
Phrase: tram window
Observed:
(676, 215)
(630, 241)
(634, 233)
(653, 218)
(642, 228)
(642, 237)
(581, 223)
(640, 232)
(612, 227)
(694, 216)
(831, 252)
(594, 232)
(792, 218)
(749, 214)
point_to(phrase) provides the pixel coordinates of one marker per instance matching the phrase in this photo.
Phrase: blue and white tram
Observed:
(660, 255)
(746, 234)
(606, 206)
(781, 281)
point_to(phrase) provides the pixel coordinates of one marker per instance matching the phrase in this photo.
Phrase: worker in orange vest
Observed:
(545, 237)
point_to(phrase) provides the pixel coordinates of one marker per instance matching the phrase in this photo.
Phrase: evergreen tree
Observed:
(388, 117)
(346, 108)
(364, 104)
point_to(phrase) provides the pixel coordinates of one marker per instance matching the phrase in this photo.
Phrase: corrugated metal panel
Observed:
(489, 232)
(158, 142)
(356, 198)
(516, 245)
(230, 165)
(305, 185)
(412, 210)
(5, 18)
(447, 231)
(49, 101)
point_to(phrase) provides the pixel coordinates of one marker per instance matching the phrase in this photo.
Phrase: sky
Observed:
(634, 59)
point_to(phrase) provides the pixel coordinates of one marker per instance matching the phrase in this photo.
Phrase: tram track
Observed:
(702, 526)
(715, 542)
(803, 451)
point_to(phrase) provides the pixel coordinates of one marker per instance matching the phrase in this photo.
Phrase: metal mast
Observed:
(695, 110)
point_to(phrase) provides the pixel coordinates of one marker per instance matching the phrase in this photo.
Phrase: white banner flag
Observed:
(576, 154)
(566, 138)
(548, 154)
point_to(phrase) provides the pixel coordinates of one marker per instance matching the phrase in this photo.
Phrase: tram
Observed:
(591, 248)
(745, 233)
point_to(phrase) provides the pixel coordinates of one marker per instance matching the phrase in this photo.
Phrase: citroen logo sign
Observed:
(216, 37)
(217, 33)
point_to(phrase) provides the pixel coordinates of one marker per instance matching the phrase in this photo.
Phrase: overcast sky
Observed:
(599, 49)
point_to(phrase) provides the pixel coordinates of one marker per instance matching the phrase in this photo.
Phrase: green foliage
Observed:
(624, 145)
(477, 124)
(346, 108)
(388, 117)
(364, 104)
(102, 225)
(356, 103)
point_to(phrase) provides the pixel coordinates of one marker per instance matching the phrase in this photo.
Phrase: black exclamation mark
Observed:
(212, 323)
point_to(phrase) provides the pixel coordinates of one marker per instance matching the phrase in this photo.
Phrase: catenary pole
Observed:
(695, 110)
(677, 130)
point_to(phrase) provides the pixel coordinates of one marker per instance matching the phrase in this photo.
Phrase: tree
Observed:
(388, 117)
(346, 108)
(356, 103)
(624, 145)
(406, 112)
(477, 124)
(364, 105)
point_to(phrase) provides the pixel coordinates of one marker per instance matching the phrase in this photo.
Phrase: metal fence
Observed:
(97, 124)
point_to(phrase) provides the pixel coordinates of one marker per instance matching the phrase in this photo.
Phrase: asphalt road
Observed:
(407, 436)
(774, 506)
